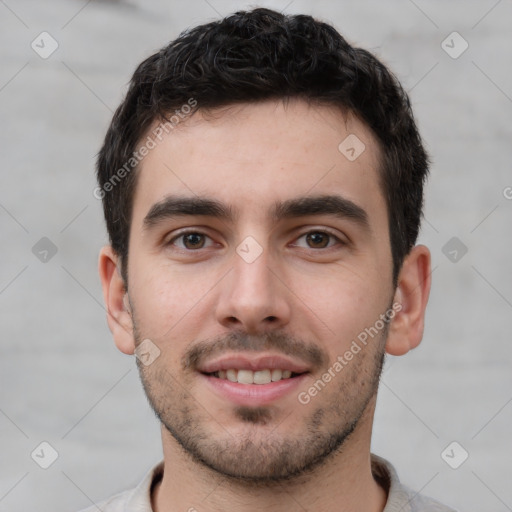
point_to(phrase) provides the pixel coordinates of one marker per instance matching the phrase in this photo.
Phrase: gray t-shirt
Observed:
(400, 498)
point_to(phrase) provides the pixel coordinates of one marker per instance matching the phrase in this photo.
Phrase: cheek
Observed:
(166, 299)
(346, 305)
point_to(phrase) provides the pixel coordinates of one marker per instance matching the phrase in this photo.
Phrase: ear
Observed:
(119, 316)
(413, 289)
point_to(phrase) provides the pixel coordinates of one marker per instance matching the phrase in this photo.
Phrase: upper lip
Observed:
(255, 363)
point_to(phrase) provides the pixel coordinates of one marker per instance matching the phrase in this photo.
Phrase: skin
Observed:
(302, 290)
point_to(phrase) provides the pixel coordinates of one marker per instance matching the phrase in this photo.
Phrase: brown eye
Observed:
(321, 239)
(191, 240)
(318, 240)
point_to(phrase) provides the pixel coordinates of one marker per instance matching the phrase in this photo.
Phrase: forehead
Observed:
(251, 156)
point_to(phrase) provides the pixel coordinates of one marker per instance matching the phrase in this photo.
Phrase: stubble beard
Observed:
(258, 454)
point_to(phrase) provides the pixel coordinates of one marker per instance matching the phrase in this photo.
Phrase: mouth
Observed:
(259, 377)
(246, 379)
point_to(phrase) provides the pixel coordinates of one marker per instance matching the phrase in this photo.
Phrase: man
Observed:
(262, 185)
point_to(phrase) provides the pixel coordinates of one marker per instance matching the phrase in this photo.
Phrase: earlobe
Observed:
(119, 317)
(413, 289)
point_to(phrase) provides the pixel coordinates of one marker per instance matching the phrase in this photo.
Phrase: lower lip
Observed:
(253, 394)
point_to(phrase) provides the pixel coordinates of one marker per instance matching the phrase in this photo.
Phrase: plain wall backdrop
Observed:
(63, 382)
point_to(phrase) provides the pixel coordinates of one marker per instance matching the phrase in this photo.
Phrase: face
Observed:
(259, 254)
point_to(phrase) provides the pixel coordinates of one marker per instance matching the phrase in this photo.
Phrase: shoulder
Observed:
(116, 503)
(133, 500)
(400, 497)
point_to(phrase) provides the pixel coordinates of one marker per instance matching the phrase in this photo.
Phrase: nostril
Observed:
(271, 318)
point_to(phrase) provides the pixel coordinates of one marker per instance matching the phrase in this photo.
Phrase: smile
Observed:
(265, 376)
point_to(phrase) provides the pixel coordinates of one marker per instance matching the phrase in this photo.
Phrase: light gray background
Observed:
(63, 381)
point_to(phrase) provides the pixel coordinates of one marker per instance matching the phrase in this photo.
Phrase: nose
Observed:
(253, 297)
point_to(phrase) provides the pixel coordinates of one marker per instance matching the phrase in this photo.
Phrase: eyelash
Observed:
(184, 234)
(313, 231)
(331, 236)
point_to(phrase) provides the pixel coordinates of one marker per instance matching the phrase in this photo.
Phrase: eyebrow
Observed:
(336, 205)
(179, 206)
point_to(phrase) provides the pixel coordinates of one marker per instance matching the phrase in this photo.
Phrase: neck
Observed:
(344, 482)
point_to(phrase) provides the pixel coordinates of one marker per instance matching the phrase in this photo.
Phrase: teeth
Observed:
(250, 377)
(261, 377)
(245, 377)
(277, 375)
